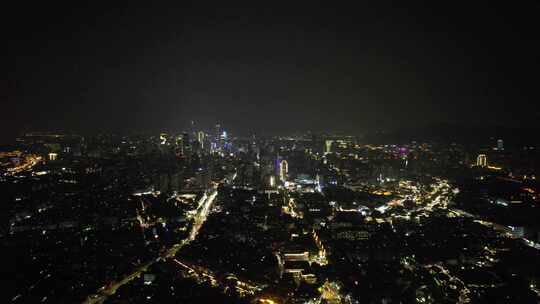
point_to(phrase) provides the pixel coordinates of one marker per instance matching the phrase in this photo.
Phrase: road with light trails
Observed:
(202, 213)
(441, 196)
(28, 164)
(203, 209)
(243, 287)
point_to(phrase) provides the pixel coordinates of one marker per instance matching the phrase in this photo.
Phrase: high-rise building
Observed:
(217, 132)
(500, 144)
(283, 170)
(163, 138)
(481, 160)
(192, 128)
(180, 144)
(200, 139)
(320, 182)
(53, 156)
(217, 137)
(272, 181)
(186, 144)
(328, 146)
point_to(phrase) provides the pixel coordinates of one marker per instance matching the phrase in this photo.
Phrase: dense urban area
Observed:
(205, 216)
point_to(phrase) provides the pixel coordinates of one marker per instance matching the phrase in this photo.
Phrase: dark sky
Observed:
(269, 69)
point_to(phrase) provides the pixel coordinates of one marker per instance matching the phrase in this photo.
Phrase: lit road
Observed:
(202, 213)
(28, 163)
(451, 281)
(243, 287)
(203, 209)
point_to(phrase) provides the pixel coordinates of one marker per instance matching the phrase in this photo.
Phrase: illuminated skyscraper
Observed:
(217, 133)
(192, 131)
(283, 170)
(328, 146)
(481, 160)
(163, 138)
(180, 144)
(500, 144)
(272, 181)
(53, 156)
(217, 137)
(186, 144)
(319, 180)
(200, 138)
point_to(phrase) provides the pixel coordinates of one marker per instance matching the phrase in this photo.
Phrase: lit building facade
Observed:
(328, 146)
(53, 156)
(200, 139)
(283, 170)
(481, 160)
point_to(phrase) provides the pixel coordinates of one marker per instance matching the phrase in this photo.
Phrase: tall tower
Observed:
(272, 181)
(481, 160)
(186, 143)
(163, 138)
(192, 128)
(283, 170)
(217, 131)
(319, 182)
(217, 136)
(500, 145)
(53, 156)
(200, 139)
(180, 144)
(328, 146)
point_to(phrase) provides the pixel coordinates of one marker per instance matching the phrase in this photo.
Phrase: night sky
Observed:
(270, 69)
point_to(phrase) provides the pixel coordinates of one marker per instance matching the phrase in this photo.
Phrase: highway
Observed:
(203, 209)
(202, 213)
(29, 162)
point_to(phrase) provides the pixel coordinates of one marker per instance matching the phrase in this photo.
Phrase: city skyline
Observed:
(221, 218)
